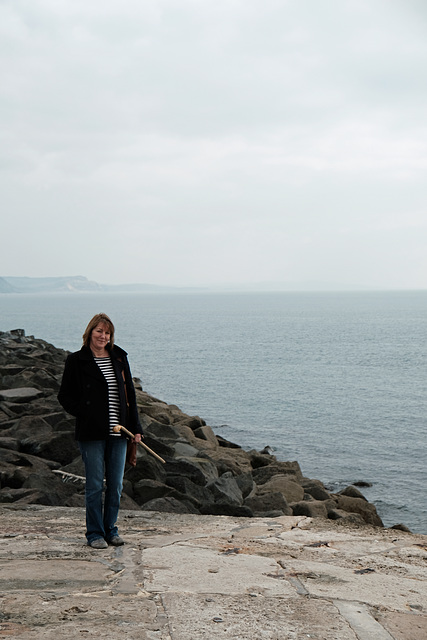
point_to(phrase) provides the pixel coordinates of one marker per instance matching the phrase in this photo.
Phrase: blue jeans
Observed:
(101, 456)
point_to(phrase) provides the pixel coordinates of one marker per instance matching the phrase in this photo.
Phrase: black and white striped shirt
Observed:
(107, 369)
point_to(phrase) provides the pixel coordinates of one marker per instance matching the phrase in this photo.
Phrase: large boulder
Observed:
(169, 504)
(234, 460)
(199, 470)
(60, 446)
(292, 491)
(352, 492)
(225, 490)
(30, 479)
(147, 467)
(15, 467)
(310, 508)
(206, 433)
(146, 490)
(264, 473)
(268, 504)
(315, 489)
(197, 494)
(245, 483)
(20, 394)
(358, 505)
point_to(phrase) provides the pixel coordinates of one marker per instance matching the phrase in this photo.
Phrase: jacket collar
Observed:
(116, 352)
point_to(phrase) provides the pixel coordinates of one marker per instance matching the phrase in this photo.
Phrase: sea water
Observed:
(335, 381)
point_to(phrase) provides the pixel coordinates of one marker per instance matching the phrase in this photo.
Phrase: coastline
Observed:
(204, 473)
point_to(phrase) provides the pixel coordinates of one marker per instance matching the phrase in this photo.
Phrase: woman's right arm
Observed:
(70, 394)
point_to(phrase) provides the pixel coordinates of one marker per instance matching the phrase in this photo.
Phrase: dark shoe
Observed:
(98, 543)
(116, 541)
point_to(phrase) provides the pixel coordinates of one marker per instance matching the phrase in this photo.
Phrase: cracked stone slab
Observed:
(30, 574)
(199, 570)
(327, 580)
(76, 614)
(197, 617)
(398, 624)
(361, 621)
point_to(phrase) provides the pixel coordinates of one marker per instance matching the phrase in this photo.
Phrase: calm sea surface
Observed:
(336, 381)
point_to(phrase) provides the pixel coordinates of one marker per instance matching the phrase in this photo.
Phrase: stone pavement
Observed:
(191, 577)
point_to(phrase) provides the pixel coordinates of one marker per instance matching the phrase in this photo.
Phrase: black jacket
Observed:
(84, 394)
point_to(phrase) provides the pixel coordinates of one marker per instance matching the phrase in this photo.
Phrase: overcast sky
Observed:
(191, 142)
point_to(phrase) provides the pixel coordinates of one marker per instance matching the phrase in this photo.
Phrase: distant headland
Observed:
(76, 284)
(81, 284)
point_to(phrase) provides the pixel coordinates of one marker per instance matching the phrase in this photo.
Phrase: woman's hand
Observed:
(137, 437)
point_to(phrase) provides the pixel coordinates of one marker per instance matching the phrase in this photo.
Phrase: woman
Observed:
(97, 389)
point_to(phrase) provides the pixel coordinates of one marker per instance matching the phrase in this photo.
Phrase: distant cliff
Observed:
(71, 284)
(6, 287)
(47, 285)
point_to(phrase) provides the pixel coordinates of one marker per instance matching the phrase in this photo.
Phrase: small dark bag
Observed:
(131, 453)
(132, 445)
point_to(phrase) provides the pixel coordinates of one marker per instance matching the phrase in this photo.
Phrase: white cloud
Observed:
(244, 137)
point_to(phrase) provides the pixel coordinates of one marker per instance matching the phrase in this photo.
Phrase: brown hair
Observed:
(96, 320)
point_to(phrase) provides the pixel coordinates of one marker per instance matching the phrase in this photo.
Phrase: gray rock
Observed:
(226, 509)
(292, 491)
(193, 422)
(234, 460)
(159, 411)
(225, 490)
(21, 394)
(316, 489)
(169, 505)
(258, 459)
(312, 509)
(198, 495)
(9, 443)
(15, 467)
(206, 433)
(158, 430)
(345, 517)
(60, 446)
(226, 443)
(245, 483)
(199, 470)
(11, 370)
(159, 445)
(268, 502)
(401, 527)
(360, 506)
(52, 486)
(146, 467)
(352, 492)
(22, 496)
(185, 450)
(146, 490)
(265, 473)
(76, 466)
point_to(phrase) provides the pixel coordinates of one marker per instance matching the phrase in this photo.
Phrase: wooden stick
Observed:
(119, 427)
(69, 476)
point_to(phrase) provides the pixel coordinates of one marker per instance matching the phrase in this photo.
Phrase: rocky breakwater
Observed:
(203, 474)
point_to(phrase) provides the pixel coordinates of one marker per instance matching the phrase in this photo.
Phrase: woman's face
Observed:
(99, 337)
